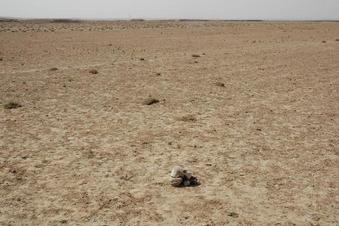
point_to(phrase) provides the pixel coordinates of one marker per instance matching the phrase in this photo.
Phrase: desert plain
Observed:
(251, 108)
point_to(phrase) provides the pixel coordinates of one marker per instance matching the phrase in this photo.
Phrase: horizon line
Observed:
(136, 19)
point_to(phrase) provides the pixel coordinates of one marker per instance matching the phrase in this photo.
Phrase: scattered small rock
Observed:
(337, 39)
(150, 101)
(12, 105)
(195, 55)
(142, 59)
(182, 178)
(63, 221)
(93, 71)
(315, 217)
(53, 69)
(220, 84)
(158, 74)
(233, 214)
(1, 59)
(323, 41)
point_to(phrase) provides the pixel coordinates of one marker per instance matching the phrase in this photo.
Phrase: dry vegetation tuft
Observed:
(93, 71)
(150, 101)
(12, 105)
(188, 118)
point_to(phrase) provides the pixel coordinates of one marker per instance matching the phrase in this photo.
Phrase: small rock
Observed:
(1, 59)
(53, 69)
(195, 55)
(323, 41)
(315, 217)
(151, 101)
(337, 39)
(93, 71)
(142, 59)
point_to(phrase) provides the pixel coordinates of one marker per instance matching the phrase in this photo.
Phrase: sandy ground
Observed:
(255, 117)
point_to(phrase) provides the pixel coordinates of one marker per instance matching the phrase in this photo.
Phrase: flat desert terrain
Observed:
(252, 108)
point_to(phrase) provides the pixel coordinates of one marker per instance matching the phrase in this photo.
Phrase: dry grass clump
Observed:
(220, 84)
(188, 118)
(233, 214)
(150, 101)
(93, 71)
(12, 105)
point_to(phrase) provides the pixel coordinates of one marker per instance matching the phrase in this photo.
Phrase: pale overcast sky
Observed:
(172, 9)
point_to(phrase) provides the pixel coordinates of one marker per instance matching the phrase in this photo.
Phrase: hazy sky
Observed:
(172, 9)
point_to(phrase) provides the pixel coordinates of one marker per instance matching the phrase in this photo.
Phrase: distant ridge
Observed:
(64, 21)
(8, 19)
(202, 20)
